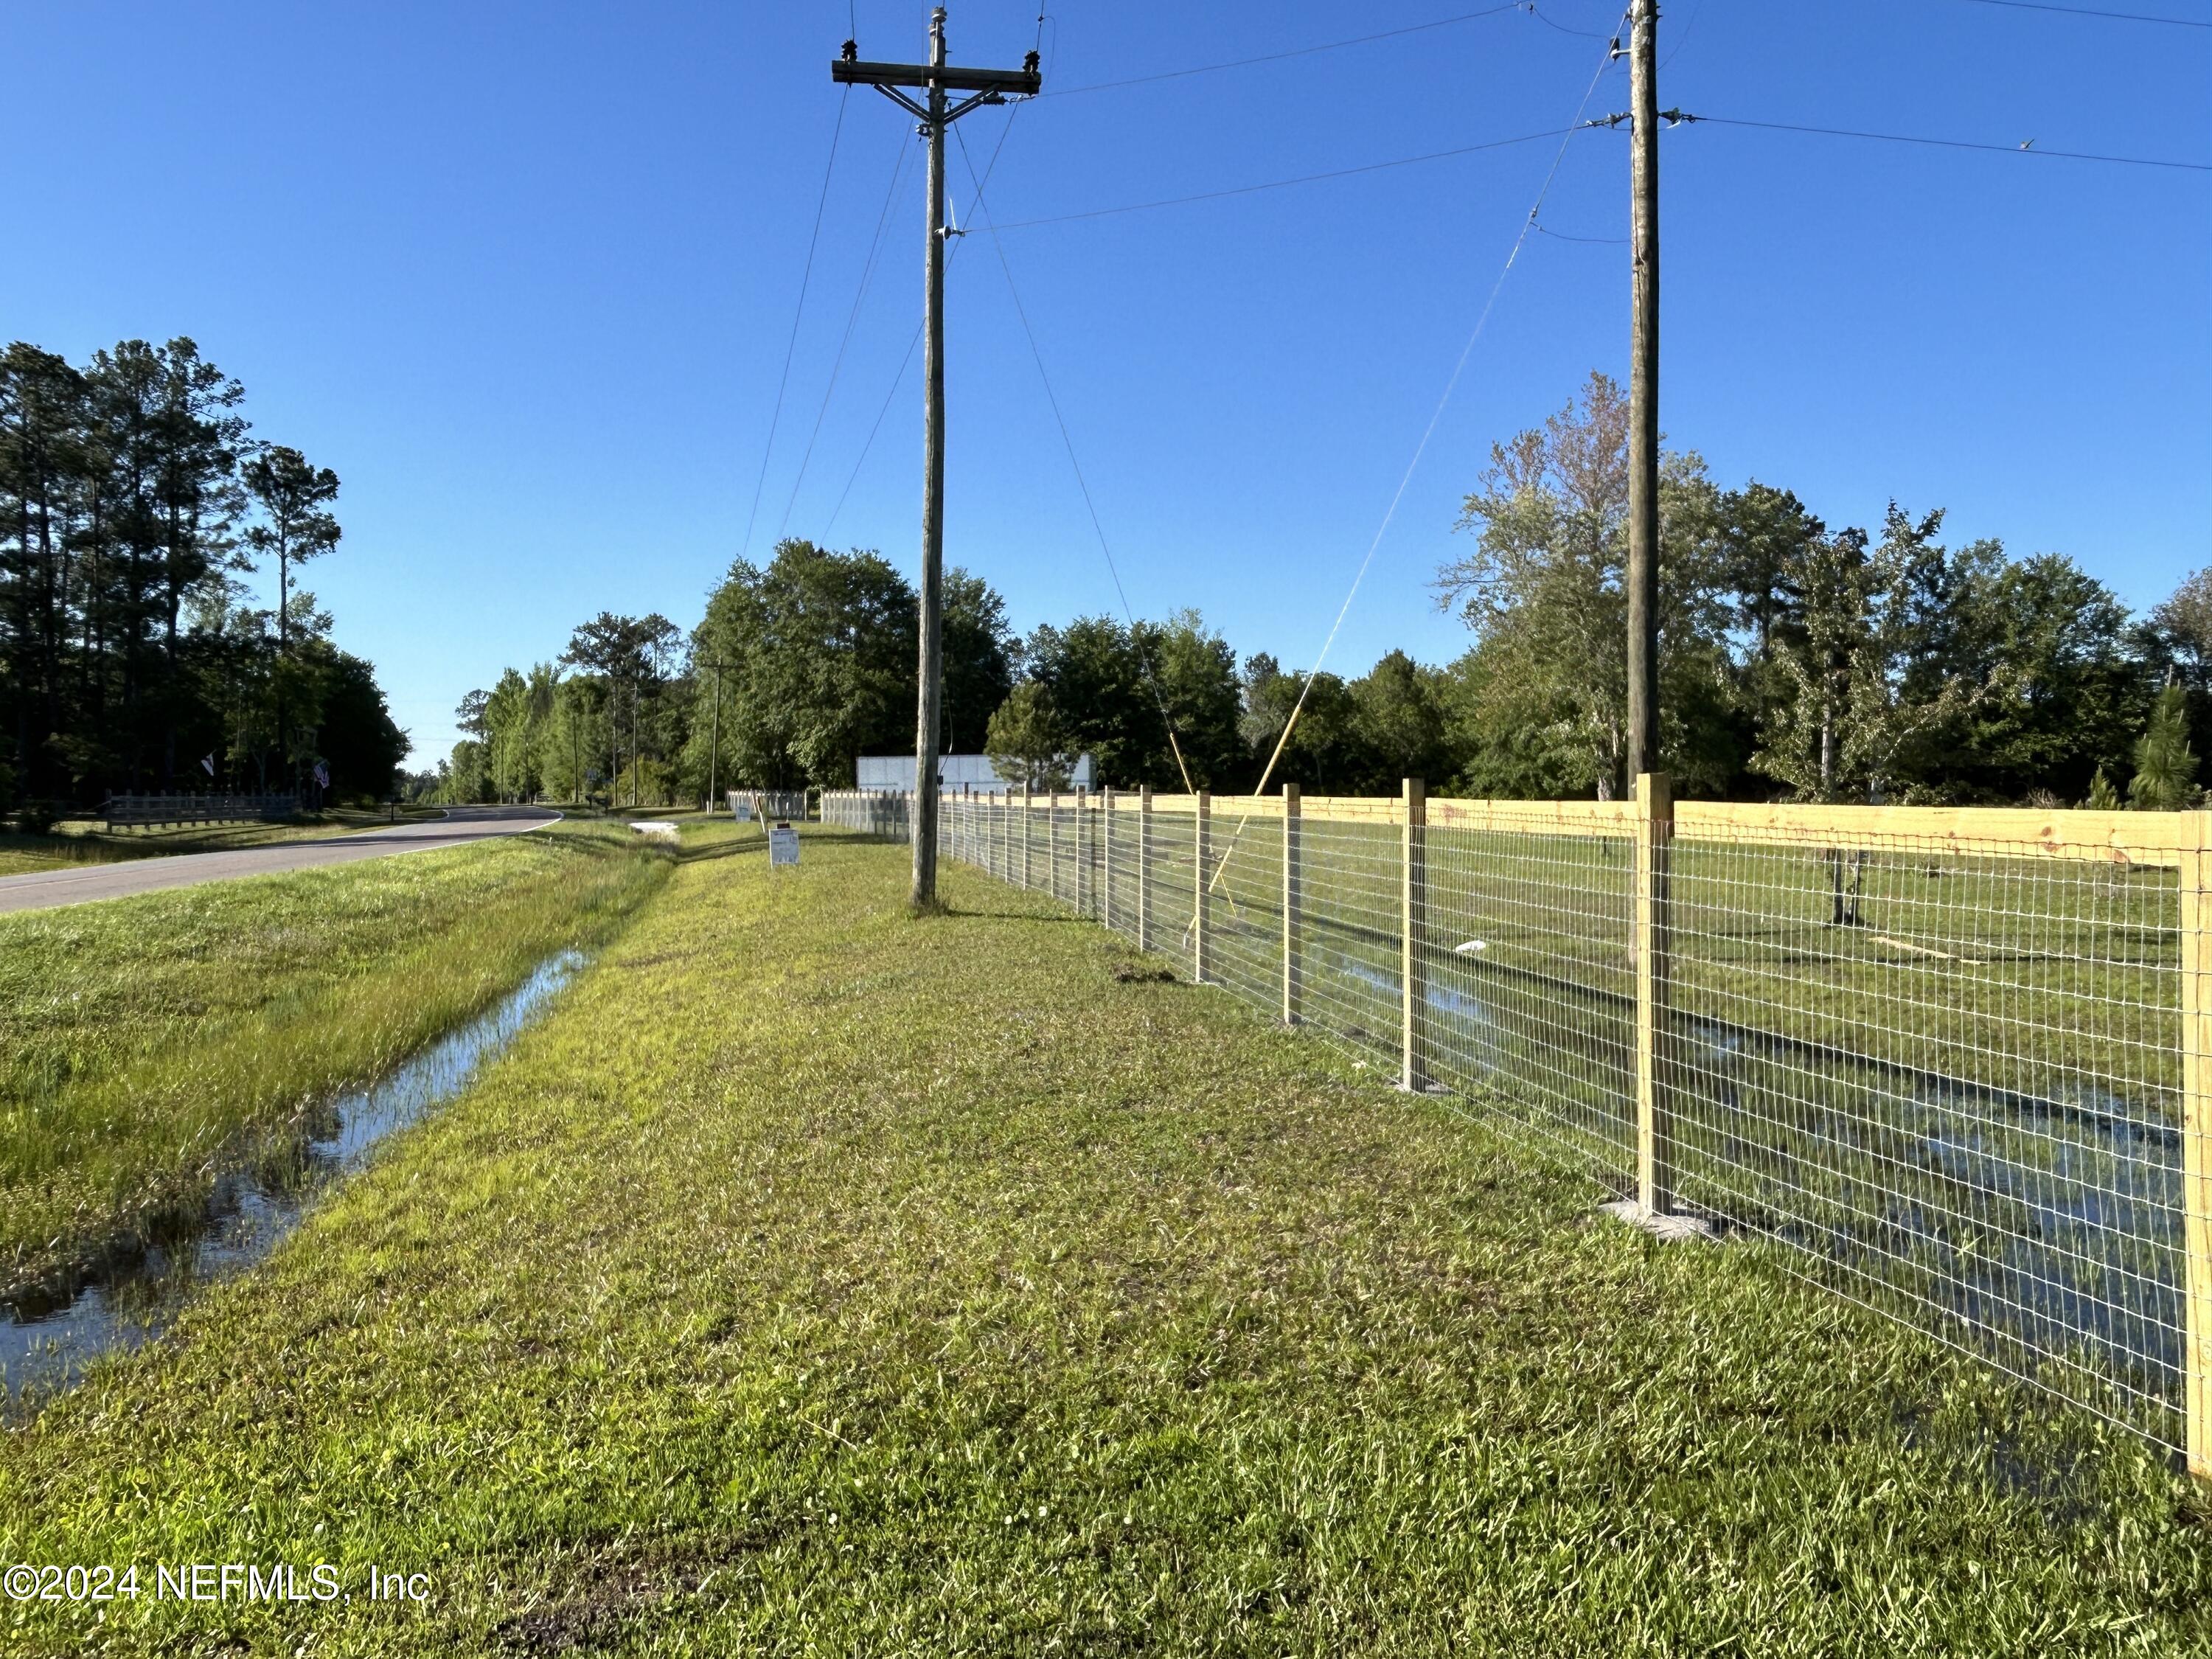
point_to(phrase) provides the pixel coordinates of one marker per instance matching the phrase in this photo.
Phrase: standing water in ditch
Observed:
(49, 1336)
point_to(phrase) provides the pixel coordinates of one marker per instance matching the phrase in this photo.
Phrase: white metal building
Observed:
(973, 773)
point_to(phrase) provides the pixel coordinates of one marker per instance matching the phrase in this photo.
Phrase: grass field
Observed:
(814, 1281)
(143, 1040)
(85, 842)
(1961, 1105)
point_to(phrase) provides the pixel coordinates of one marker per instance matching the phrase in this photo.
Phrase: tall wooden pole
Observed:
(934, 80)
(1643, 734)
(933, 492)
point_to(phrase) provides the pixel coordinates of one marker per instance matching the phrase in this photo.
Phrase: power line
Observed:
(1682, 36)
(1296, 52)
(1562, 236)
(899, 379)
(1136, 636)
(867, 270)
(2026, 150)
(1282, 184)
(2085, 11)
(1531, 137)
(1587, 34)
(869, 442)
(1451, 385)
(798, 312)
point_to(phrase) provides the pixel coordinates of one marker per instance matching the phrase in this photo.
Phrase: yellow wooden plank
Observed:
(2130, 838)
(2144, 839)
(1247, 807)
(1540, 818)
(1354, 808)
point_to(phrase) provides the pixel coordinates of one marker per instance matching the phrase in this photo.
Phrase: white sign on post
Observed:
(741, 807)
(782, 845)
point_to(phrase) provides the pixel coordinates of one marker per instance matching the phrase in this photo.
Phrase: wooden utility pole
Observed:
(1642, 735)
(936, 112)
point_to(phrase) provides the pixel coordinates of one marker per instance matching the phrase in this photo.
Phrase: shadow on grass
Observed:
(720, 850)
(965, 913)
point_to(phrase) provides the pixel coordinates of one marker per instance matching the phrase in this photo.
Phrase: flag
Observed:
(207, 763)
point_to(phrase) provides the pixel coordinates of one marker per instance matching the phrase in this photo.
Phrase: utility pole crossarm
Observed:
(1022, 82)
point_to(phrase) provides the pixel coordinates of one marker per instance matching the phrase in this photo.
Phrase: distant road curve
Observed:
(79, 884)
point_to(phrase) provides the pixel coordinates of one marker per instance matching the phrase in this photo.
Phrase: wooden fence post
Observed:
(1293, 922)
(2195, 920)
(1654, 949)
(1202, 839)
(1106, 859)
(1051, 842)
(1145, 867)
(1025, 837)
(1412, 957)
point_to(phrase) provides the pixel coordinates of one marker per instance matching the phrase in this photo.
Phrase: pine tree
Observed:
(2166, 766)
(2103, 798)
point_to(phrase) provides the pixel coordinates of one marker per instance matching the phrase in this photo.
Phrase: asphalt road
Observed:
(79, 884)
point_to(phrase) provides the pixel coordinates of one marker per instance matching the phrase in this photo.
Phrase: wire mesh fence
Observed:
(1960, 1060)
(766, 804)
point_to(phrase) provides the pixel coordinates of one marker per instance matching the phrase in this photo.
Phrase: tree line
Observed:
(1799, 661)
(134, 503)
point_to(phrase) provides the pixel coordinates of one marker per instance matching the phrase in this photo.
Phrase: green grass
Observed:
(86, 842)
(817, 1280)
(144, 1041)
(2058, 981)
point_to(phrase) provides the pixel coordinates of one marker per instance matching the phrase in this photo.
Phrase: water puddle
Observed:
(48, 1337)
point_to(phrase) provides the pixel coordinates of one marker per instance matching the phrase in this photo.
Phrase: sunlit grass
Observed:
(142, 1039)
(819, 1281)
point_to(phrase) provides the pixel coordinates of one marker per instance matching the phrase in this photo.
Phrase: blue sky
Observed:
(524, 275)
